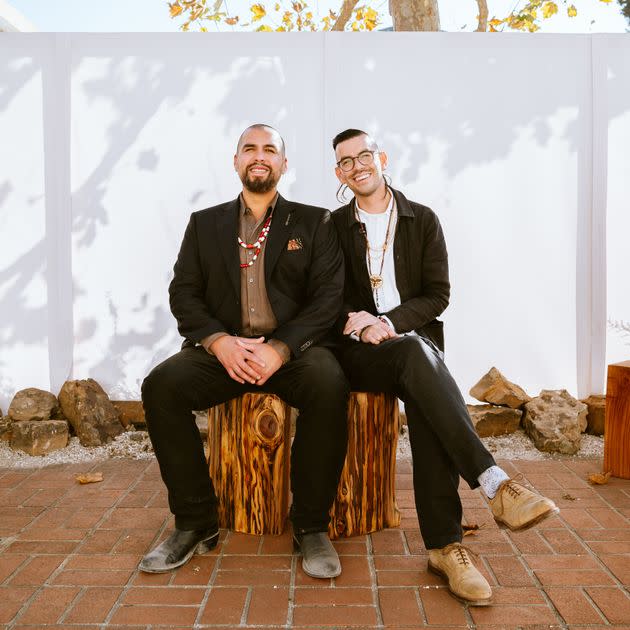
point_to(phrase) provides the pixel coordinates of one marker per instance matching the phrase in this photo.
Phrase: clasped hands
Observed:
(247, 360)
(368, 327)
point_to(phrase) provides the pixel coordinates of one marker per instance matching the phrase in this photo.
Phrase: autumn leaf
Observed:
(599, 479)
(231, 20)
(606, 1)
(264, 29)
(258, 12)
(276, 7)
(471, 530)
(175, 9)
(549, 9)
(94, 477)
(569, 497)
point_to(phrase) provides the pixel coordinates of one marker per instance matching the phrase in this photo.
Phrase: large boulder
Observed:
(596, 414)
(33, 404)
(555, 421)
(490, 421)
(39, 437)
(90, 412)
(130, 413)
(495, 389)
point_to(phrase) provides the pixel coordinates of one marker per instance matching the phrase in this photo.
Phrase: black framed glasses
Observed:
(365, 157)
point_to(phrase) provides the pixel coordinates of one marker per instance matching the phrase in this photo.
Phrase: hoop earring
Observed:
(341, 193)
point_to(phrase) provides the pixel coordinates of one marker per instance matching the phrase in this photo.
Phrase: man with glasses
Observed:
(396, 286)
(257, 284)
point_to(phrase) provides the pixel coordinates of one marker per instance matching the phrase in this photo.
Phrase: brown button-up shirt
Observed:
(257, 316)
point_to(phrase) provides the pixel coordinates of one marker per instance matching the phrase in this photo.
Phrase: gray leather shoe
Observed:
(178, 549)
(319, 558)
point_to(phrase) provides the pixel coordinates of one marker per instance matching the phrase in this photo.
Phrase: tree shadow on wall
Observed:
(20, 321)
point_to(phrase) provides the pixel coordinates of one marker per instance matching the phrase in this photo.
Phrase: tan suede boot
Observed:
(465, 582)
(519, 508)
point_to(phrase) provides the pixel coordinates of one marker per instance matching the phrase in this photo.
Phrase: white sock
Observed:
(490, 480)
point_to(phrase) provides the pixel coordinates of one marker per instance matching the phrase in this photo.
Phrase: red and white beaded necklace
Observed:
(257, 244)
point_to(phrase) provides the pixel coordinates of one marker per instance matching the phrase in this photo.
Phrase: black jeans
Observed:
(444, 444)
(192, 379)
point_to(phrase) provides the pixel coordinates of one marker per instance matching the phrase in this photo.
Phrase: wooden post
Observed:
(617, 424)
(249, 449)
(366, 498)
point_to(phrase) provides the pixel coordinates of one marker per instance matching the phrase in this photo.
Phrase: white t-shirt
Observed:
(386, 297)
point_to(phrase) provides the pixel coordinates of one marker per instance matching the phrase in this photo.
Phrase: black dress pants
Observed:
(444, 444)
(193, 379)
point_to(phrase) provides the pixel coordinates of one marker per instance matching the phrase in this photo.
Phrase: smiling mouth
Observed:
(361, 177)
(258, 170)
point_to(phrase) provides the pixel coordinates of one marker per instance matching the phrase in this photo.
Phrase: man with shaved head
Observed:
(396, 286)
(257, 285)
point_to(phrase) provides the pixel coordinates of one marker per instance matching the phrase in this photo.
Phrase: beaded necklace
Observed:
(257, 244)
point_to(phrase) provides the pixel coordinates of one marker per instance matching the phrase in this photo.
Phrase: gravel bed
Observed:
(136, 445)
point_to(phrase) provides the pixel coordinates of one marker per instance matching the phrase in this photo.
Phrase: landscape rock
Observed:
(90, 412)
(555, 421)
(33, 404)
(490, 421)
(6, 426)
(596, 414)
(494, 388)
(39, 437)
(130, 413)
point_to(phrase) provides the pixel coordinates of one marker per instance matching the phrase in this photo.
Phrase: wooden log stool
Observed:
(249, 446)
(617, 423)
(249, 456)
(366, 497)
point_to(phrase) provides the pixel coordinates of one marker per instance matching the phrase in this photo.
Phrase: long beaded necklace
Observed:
(376, 280)
(257, 244)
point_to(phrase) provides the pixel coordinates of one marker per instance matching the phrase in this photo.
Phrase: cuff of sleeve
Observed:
(206, 342)
(354, 336)
(282, 349)
(388, 321)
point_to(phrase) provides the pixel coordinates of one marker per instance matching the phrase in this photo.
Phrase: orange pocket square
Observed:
(294, 244)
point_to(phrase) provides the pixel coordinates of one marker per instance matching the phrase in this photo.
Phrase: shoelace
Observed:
(462, 553)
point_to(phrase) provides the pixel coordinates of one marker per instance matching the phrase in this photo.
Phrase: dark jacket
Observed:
(421, 265)
(304, 282)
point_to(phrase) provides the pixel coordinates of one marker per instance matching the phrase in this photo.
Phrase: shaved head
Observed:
(268, 128)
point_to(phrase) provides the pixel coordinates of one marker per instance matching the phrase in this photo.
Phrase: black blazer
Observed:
(421, 265)
(304, 285)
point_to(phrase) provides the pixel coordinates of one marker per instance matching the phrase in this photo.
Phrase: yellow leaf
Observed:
(309, 16)
(492, 29)
(276, 7)
(231, 20)
(175, 9)
(359, 15)
(549, 9)
(599, 479)
(571, 11)
(495, 22)
(264, 29)
(281, 29)
(258, 12)
(606, 1)
(93, 477)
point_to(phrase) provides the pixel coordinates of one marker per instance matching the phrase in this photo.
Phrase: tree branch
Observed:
(344, 15)
(483, 16)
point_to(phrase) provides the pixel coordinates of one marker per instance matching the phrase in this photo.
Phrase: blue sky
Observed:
(152, 15)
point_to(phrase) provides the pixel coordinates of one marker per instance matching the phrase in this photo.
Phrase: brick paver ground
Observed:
(68, 557)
